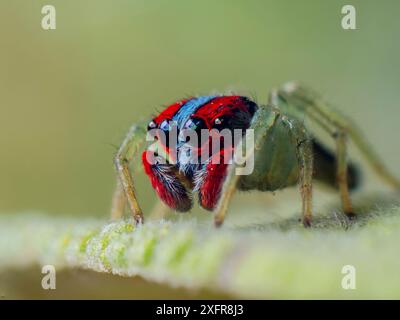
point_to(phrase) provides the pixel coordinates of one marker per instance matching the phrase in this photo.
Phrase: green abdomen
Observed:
(275, 163)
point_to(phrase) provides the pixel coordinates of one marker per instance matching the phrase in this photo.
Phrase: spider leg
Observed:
(304, 151)
(263, 121)
(341, 173)
(159, 211)
(329, 121)
(118, 201)
(125, 186)
(298, 101)
(228, 189)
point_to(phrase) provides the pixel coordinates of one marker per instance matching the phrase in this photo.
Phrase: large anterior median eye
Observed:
(165, 126)
(195, 124)
(192, 131)
(168, 133)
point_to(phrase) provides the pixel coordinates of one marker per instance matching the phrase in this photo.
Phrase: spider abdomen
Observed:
(275, 162)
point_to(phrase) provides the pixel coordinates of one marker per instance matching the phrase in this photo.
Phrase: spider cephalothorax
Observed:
(283, 152)
(175, 181)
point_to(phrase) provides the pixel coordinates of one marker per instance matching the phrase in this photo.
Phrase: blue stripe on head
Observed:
(189, 108)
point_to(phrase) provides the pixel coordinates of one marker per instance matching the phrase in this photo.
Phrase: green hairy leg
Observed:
(298, 101)
(125, 186)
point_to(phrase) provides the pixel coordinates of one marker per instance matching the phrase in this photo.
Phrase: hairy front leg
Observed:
(125, 186)
(264, 120)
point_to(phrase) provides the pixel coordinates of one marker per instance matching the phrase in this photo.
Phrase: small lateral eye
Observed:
(189, 124)
(151, 125)
(218, 121)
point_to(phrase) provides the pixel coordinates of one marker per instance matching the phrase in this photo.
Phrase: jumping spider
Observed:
(284, 153)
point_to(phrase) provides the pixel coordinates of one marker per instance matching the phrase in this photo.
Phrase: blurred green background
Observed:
(68, 96)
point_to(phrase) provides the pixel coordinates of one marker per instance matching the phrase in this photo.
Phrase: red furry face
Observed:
(175, 182)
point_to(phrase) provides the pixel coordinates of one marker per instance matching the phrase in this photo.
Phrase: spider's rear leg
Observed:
(341, 173)
(295, 97)
(298, 101)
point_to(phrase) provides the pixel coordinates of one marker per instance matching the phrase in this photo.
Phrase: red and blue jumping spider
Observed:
(284, 152)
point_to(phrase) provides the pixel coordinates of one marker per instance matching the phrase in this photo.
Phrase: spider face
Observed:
(176, 178)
